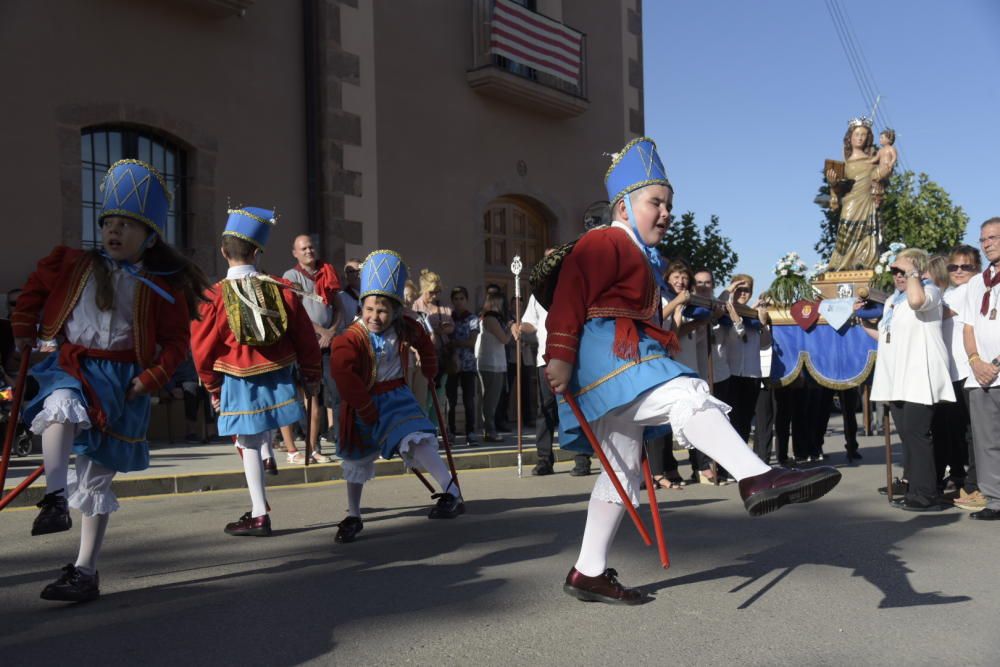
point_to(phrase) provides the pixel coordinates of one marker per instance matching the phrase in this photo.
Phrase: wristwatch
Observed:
(913, 274)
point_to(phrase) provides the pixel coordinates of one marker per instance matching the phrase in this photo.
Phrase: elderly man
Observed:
(317, 277)
(982, 344)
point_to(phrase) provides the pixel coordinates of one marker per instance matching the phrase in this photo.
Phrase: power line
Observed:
(858, 63)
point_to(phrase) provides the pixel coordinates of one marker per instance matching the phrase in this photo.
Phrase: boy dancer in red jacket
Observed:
(252, 330)
(605, 346)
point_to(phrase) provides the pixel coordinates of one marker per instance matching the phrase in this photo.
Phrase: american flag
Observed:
(535, 41)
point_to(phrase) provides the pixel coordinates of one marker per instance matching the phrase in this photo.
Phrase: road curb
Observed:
(133, 487)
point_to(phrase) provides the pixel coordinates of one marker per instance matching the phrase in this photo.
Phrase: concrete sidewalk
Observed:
(190, 468)
(187, 468)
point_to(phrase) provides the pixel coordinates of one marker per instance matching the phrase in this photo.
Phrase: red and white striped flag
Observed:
(536, 41)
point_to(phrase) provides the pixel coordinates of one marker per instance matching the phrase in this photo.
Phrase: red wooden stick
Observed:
(444, 437)
(16, 491)
(661, 543)
(15, 412)
(423, 479)
(607, 468)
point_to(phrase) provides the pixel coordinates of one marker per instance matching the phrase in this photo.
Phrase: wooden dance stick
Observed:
(888, 452)
(15, 412)
(596, 446)
(423, 479)
(515, 268)
(444, 437)
(309, 422)
(16, 491)
(654, 509)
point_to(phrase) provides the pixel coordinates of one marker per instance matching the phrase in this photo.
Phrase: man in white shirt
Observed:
(982, 344)
(349, 304)
(533, 321)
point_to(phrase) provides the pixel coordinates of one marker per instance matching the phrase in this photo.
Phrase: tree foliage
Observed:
(702, 248)
(916, 211)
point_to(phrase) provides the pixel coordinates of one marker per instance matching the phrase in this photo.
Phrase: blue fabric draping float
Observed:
(835, 359)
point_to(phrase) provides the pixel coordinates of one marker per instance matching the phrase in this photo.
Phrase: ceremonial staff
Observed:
(515, 268)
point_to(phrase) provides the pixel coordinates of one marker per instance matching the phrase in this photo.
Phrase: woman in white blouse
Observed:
(911, 373)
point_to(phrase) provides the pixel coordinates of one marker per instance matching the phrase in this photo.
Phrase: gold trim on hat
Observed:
(153, 170)
(621, 154)
(245, 238)
(253, 216)
(640, 184)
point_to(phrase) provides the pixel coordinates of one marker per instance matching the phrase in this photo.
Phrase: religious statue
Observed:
(853, 187)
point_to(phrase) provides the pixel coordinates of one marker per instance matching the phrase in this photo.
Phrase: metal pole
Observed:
(888, 452)
(515, 268)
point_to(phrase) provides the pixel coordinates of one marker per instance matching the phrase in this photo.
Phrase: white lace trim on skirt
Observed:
(359, 471)
(89, 487)
(61, 407)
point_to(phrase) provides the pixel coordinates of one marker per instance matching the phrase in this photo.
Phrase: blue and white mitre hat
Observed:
(383, 274)
(136, 190)
(633, 167)
(251, 224)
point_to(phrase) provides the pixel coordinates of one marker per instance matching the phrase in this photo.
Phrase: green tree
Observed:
(702, 248)
(916, 211)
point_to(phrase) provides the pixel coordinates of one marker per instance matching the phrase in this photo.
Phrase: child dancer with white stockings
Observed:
(119, 315)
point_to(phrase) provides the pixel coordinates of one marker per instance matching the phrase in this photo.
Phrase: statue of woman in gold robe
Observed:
(857, 243)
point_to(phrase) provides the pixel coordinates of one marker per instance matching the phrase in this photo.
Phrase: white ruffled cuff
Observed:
(359, 472)
(684, 409)
(93, 497)
(605, 490)
(412, 440)
(61, 407)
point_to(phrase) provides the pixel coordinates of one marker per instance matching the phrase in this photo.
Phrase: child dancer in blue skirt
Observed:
(119, 314)
(379, 415)
(252, 330)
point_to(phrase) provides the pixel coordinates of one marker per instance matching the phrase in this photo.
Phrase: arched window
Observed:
(101, 147)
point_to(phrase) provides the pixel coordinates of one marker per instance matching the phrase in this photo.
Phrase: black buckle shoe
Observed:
(448, 506)
(73, 586)
(348, 529)
(54, 517)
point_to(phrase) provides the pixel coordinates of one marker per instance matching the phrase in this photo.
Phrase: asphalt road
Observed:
(843, 581)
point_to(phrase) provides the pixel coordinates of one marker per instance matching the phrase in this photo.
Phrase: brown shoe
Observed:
(778, 487)
(602, 588)
(259, 526)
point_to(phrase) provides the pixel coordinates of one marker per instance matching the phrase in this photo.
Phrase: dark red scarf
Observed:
(990, 284)
(326, 279)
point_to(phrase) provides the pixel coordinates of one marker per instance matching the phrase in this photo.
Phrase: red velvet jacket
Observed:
(352, 365)
(216, 351)
(605, 275)
(159, 327)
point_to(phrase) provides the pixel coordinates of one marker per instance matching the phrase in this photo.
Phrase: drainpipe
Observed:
(314, 164)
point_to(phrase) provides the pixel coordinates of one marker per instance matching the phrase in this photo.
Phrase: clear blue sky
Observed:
(746, 99)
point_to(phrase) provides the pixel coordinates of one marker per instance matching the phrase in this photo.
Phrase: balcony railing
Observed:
(501, 76)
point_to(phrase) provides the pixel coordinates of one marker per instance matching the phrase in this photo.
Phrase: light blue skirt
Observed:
(122, 444)
(258, 403)
(398, 416)
(603, 382)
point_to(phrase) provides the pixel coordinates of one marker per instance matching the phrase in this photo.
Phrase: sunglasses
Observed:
(896, 272)
(952, 268)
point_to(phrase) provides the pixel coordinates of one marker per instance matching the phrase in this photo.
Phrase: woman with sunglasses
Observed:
(911, 373)
(951, 427)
